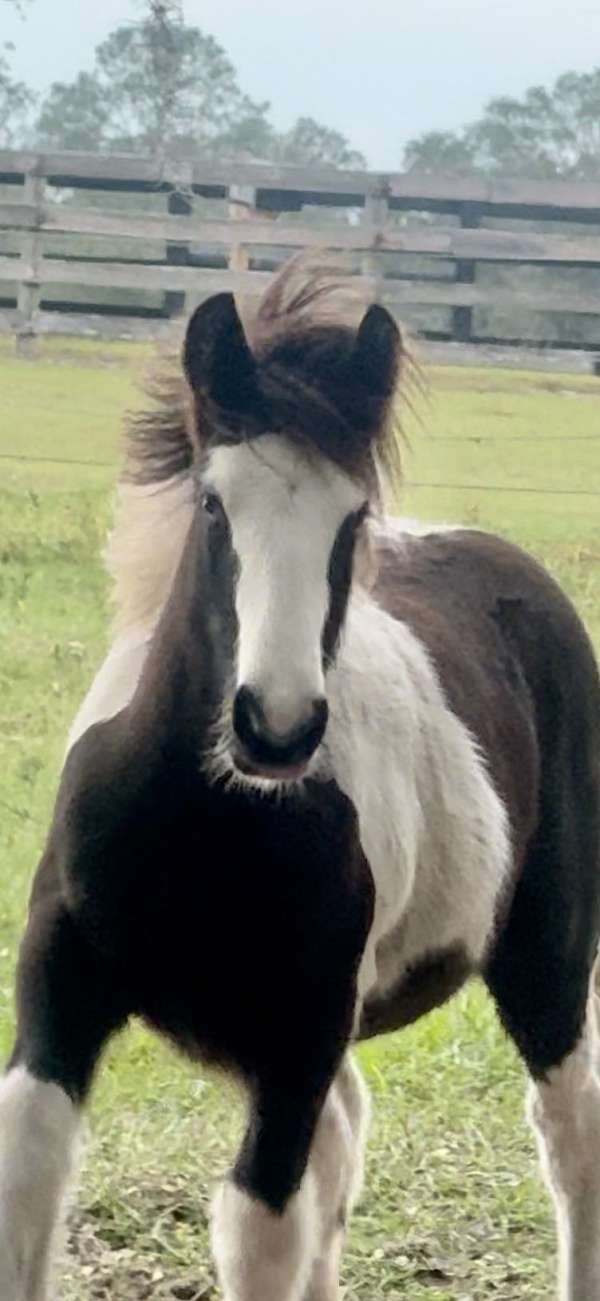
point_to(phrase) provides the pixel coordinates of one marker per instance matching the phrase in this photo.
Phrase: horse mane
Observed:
(304, 327)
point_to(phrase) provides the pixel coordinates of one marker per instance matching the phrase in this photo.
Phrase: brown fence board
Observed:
(116, 275)
(198, 282)
(126, 167)
(480, 245)
(413, 186)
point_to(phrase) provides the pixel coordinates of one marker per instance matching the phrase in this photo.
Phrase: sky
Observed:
(380, 71)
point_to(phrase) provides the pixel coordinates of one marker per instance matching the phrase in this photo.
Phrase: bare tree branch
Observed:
(163, 12)
(19, 5)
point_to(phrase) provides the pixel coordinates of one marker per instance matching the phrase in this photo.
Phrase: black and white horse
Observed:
(329, 769)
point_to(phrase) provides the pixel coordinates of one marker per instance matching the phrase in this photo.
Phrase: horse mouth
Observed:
(275, 772)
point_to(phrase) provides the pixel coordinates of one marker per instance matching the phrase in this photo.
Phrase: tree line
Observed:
(159, 85)
(549, 132)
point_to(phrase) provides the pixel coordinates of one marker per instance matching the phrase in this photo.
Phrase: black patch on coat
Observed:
(426, 984)
(339, 578)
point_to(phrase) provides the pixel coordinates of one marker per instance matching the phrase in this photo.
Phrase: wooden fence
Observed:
(426, 243)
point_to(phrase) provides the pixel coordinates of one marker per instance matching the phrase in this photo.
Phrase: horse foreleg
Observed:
(266, 1232)
(564, 1110)
(337, 1162)
(38, 1135)
(64, 1015)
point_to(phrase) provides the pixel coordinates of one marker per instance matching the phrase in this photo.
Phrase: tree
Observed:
(169, 83)
(549, 132)
(74, 115)
(307, 142)
(439, 151)
(252, 136)
(156, 84)
(15, 103)
(163, 11)
(310, 142)
(161, 86)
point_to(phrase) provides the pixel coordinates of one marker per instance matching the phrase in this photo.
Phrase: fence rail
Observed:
(440, 257)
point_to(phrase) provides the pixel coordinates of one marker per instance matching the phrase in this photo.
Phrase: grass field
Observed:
(452, 1209)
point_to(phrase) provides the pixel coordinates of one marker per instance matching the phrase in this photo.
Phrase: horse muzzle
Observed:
(258, 751)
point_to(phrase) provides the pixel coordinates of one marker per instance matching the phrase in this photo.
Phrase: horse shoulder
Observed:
(114, 684)
(434, 829)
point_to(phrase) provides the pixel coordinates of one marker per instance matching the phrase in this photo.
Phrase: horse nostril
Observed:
(319, 718)
(248, 716)
(268, 747)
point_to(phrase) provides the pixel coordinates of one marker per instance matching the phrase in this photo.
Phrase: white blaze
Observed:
(284, 511)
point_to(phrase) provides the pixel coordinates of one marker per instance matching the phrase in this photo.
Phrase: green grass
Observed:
(452, 1209)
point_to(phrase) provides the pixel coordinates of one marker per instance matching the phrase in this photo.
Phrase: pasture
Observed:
(453, 1209)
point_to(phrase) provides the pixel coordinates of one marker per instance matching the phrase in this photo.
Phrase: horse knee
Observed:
(261, 1254)
(38, 1135)
(337, 1153)
(332, 1158)
(355, 1096)
(336, 1161)
(564, 1111)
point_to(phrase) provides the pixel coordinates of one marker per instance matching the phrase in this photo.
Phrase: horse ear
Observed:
(216, 357)
(377, 351)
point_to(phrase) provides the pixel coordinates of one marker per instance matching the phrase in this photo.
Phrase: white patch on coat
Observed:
(564, 1111)
(337, 1164)
(397, 526)
(284, 511)
(142, 556)
(261, 1255)
(38, 1141)
(432, 827)
(355, 1097)
(114, 684)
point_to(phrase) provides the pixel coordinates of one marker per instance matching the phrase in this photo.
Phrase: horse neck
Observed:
(180, 688)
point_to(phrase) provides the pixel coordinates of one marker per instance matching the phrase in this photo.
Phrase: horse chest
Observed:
(223, 918)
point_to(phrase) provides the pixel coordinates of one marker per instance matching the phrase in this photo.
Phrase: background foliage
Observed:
(549, 132)
(159, 85)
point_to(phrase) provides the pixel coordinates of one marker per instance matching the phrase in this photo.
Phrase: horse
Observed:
(331, 768)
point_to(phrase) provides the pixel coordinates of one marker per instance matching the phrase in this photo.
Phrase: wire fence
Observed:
(510, 488)
(408, 483)
(95, 413)
(55, 460)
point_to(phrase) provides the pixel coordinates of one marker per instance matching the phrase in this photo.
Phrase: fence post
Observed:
(241, 207)
(29, 291)
(464, 274)
(179, 204)
(375, 215)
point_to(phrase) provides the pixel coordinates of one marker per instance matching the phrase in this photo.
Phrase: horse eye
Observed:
(211, 503)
